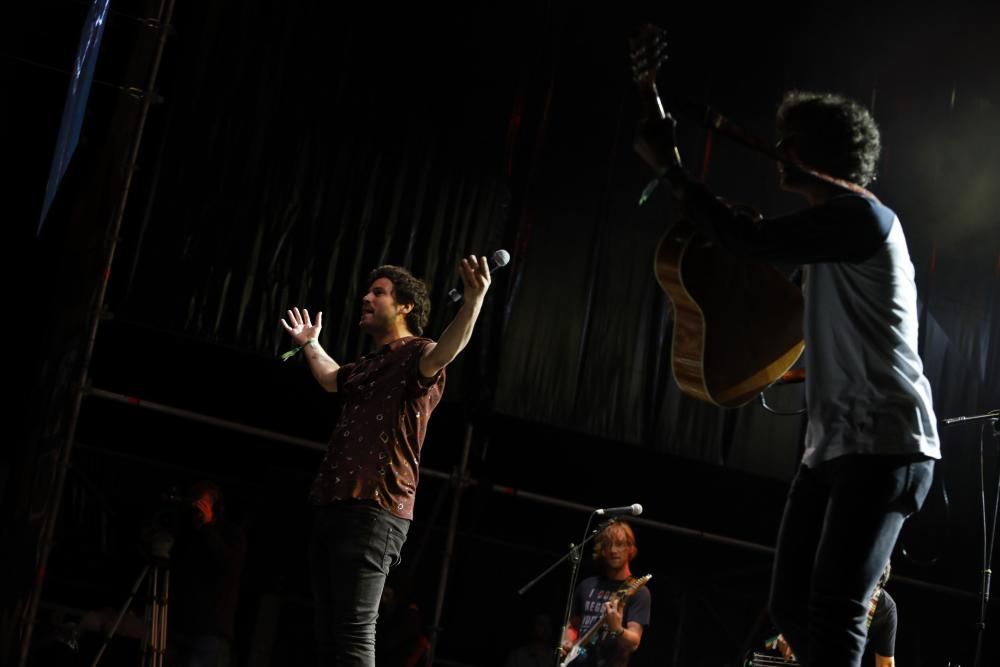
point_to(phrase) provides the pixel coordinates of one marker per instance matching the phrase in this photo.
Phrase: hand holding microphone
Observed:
(476, 275)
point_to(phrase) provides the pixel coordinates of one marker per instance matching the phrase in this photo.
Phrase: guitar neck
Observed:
(649, 101)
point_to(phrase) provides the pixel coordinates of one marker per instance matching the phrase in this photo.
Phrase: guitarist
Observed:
(596, 602)
(871, 438)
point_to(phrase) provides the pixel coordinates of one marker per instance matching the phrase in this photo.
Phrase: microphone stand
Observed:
(989, 536)
(574, 555)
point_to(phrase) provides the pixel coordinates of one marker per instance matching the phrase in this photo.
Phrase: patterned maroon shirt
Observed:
(374, 451)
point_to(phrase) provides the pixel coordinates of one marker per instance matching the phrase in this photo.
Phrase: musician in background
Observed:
(882, 620)
(871, 438)
(537, 652)
(205, 581)
(614, 549)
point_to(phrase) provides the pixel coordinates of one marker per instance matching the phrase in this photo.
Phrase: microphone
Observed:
(992, 414)
(634, 510)
(498, 260)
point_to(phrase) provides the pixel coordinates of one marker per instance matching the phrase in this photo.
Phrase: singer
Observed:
(367, 481)
(614, 549)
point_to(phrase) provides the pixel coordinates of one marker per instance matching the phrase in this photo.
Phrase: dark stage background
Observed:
(293, 146)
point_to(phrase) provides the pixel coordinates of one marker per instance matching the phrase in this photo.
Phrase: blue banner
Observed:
(81, 79)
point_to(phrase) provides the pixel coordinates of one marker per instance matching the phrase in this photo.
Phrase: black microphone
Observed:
(634, 510)
(497, 260)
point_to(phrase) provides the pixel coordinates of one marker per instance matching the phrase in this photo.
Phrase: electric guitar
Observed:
(737, 324)
(587, 639)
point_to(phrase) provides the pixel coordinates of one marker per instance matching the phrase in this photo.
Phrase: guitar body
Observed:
(573, 654)
(737, 324)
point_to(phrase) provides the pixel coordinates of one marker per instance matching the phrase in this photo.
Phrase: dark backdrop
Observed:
(299, 144)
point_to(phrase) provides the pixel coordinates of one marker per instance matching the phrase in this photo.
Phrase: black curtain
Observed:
(302, 148)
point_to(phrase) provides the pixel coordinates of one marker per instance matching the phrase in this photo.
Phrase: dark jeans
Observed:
(841, 522)
(353, 547)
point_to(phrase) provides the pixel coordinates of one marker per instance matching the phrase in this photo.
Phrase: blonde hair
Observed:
(620, 530)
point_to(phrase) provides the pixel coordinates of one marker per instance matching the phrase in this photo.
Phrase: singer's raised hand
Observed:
(476, 280)
(475, 277)
(301, 329)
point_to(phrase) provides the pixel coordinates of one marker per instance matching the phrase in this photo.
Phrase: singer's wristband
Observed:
(298, 348)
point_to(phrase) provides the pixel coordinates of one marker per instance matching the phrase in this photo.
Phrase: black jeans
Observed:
(840, 525)
(352, 549)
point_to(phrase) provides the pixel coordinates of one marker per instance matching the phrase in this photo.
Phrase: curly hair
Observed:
(832, 134)
(408, 290)
(618, 530)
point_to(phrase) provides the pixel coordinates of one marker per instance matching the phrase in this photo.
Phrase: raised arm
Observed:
(306, 335)
(476, 279)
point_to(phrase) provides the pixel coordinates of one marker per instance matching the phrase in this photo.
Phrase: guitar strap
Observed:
(872, 606)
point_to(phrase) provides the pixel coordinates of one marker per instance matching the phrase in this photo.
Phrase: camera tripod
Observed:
(156, 574)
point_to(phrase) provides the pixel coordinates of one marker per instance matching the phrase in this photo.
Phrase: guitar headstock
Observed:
(655, 142)
(648, 52)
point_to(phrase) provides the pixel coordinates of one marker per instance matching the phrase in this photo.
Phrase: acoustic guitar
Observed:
(737, 324)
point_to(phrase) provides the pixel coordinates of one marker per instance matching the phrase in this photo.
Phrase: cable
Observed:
(782, 413)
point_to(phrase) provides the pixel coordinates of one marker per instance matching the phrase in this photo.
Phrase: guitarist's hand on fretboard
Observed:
(656, 139)
(614, 610)
(656, 143)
